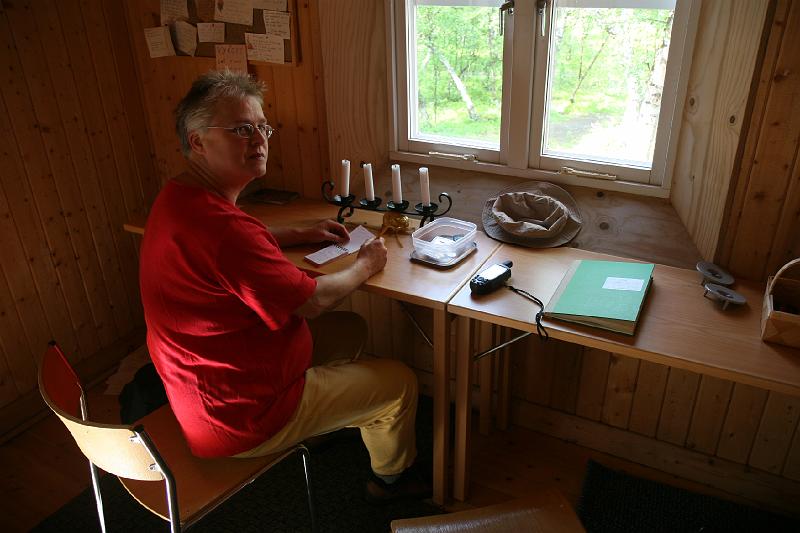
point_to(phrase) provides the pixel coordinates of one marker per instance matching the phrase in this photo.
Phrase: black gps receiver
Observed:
(491, 278)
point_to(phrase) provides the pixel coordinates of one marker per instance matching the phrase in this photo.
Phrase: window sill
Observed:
(629, 187)
(627, 225)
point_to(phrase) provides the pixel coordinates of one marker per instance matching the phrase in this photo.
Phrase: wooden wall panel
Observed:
(741, 423)
(648, 398)
(728, 39)
(70, 177)
(767, 182)
(621, 384)
(775, 432)
(354, 66)
(678, 405)
(709, 414)
(592, 388)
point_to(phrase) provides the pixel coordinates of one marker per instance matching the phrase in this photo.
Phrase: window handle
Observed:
(464, 157)
(507, 6)
(541, 10)
(586, 173)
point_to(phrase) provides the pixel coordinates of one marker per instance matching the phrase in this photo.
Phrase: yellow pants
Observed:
(378, 396)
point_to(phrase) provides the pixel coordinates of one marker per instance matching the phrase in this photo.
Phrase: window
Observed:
(577, 91)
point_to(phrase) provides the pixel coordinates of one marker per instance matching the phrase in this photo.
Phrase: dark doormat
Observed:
(277, 500)
(616, 502)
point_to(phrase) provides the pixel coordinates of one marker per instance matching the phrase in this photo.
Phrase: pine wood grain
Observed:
(724, 59)
(766, 176)
(741, 423)
(648, 398)
(778, 425)
(592, 390)
(679, 398)
(622, 372)
(713, 399)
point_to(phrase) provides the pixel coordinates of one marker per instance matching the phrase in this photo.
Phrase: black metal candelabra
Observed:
(347, 206)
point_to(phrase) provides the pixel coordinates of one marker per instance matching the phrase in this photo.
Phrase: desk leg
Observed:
(464, 349)
(441, 403)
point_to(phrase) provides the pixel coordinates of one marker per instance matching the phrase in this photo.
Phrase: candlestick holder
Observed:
(347, 206)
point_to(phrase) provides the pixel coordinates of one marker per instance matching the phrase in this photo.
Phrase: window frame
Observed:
(525, 58)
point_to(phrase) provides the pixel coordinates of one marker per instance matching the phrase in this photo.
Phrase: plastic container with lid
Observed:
(444, 239)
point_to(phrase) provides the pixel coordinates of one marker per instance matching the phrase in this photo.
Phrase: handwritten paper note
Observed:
(159, 41)
(235, 11)
(261, 47)
(211, 32)
(172, 10)
(232, 57)
(358, 237)
(185, 37)
(277, 23)
(272, 5)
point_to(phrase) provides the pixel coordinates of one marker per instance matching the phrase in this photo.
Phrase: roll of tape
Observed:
(723, 294)
(713, 274)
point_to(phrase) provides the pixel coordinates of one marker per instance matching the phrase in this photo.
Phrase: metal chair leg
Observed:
(98, 498)
(306, 456)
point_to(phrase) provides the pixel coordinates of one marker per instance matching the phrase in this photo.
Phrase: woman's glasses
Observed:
(247, 130)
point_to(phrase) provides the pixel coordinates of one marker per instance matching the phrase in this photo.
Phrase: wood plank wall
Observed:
(763, 218)
(75, 163)
(724, 58)
(737, 438)
(294, 102)
(354, 61)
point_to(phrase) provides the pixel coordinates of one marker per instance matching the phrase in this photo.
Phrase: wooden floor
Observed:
(43, 468)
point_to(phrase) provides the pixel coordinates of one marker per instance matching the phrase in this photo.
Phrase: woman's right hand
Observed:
(372, 255)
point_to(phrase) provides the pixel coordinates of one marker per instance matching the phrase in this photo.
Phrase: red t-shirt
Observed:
(218, 299)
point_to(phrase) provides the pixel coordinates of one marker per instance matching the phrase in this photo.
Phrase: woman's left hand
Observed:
(328, 230)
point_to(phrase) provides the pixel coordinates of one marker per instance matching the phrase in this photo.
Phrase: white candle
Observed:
(368, 187)
(424, 186)
(397, 185)
(344, 186)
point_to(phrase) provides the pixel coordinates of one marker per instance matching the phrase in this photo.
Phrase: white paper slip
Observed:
(358, 236)
(623, 284)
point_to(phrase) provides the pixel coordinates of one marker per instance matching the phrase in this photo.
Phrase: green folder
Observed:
(605, 294)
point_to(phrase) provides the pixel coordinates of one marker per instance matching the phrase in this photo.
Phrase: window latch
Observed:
(506, 7)
(542, 7)
(464, 157)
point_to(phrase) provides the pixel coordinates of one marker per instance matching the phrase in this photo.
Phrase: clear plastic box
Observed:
(444, 239)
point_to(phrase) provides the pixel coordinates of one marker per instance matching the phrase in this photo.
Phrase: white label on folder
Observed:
(624, 284)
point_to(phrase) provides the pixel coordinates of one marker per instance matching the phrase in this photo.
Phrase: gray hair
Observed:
(195, 110)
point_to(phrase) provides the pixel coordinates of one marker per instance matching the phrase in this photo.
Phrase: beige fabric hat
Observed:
(537, 214)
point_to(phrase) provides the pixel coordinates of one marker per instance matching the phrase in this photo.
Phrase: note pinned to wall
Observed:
(185, 37)
(211, 32)
(232, 57)
(172, 10)
(159, 41)
(262, 47)
(234, 11)
(277, 23)
(272, 5)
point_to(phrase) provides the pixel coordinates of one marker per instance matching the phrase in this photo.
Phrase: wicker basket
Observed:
(780, 316)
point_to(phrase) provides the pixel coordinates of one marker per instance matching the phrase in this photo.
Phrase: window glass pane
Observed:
(457, 92)
(605, 81)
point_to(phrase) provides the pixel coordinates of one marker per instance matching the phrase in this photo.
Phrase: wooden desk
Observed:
(678, 327)
(401, 280)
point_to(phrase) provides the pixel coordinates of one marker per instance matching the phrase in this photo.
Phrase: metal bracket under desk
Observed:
(484, 353)
(416, 324)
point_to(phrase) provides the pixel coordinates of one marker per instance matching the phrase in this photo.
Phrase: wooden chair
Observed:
(152, 450)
